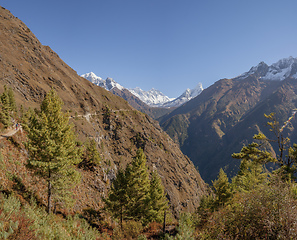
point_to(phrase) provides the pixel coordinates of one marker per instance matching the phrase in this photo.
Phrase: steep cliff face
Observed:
(32, 69)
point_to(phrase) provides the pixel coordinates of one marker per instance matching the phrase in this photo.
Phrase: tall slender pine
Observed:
(138, 187)
(52, 149)
(158, 202)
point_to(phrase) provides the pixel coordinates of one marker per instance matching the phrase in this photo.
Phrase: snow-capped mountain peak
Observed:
(108, 84)
(278, 71)
(185, 97)
(152, 97)
(282, 69)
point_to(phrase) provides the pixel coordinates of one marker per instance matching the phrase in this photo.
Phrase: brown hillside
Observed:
(31, 69)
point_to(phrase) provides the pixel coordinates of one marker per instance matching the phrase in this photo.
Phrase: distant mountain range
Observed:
(226, 115)
(153, 97)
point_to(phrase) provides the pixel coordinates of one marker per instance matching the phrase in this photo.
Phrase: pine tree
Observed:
(133, 196)
(91, 156)
(251, 171)
(117, 201)
(285, 156)
(52, 149)
(158, 202)
(5, 113)
(250, 176)
(138, 187)
(223, 188)
(12, 102)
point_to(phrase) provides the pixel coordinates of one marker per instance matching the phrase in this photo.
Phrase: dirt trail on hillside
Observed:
(11, 132)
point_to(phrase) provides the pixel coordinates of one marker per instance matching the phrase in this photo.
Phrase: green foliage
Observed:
(254, 153)
(7, 107)
(285, 155)
(132, 229)
(133, 196)
(117, 201)
(262, 204)
(30, 222)
(14, 224)
(106, 116)
(223, 189)
(91, 156)
(267, 212)
(52, 149)
(185, 228)
(158, 202)
(25, 117)
(138, 186)
(250, 176)
(11, 99)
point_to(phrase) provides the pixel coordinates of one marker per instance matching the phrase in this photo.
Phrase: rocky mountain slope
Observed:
(31, 70)
(226, 115)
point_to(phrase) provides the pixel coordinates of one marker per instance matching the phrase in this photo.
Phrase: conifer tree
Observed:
(285, 154)
(5, 112)
(52, 149)
(129, 197)
(138, 187)
(91, 156)
(251, 171)
(133, 196)
(12, 102)
(223, 188)
(250, 176)
(117, 201)
(158, 202)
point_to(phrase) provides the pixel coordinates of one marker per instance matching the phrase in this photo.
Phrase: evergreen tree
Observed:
(12, 102)
(52, 149)
(250, 176)
(285, 154)
(117, 201)
(5, 113)
(158, 202)
(138, 187)
(223, 188)
(133, 196)
(91, 156)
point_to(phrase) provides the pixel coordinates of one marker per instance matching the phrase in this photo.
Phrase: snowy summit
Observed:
(278, 71)
(108, 84)
(153, 97)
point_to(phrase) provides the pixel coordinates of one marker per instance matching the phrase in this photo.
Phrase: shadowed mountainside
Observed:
(225, 116)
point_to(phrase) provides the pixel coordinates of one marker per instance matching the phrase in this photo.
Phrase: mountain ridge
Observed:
(153, 97)
(212, 126)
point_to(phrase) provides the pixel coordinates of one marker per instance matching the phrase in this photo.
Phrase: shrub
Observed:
(265, 213)
(185, 229)
(132, 229)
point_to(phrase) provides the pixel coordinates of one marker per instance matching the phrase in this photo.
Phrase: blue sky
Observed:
(169, 45)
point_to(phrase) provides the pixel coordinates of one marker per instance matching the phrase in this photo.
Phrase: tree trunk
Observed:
(164, 223)
(122, 217)
(49, 194)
